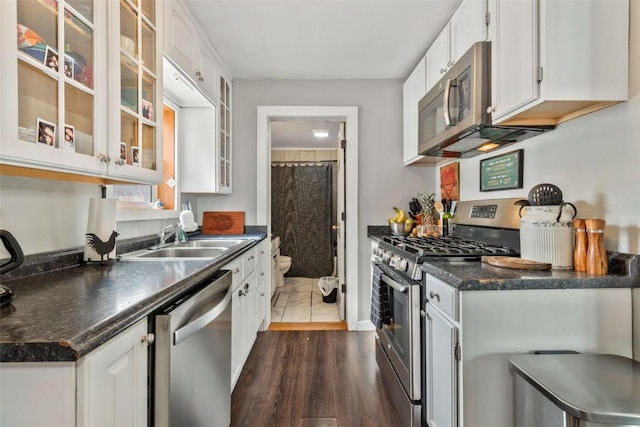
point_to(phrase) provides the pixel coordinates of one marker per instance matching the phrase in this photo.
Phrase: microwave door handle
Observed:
(447, 92)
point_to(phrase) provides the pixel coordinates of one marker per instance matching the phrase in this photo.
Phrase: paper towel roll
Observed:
(102, 223)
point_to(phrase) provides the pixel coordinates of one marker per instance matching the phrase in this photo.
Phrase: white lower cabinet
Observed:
(112, 381)
(107, 387)
(470, 336)
(246, 314)
(441, 338)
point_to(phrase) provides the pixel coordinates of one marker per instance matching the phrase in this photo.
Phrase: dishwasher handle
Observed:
(202, 321)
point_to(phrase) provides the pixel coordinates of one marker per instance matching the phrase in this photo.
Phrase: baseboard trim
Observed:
(366, 325)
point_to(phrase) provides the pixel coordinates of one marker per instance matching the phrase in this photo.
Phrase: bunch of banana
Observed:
(401, 216)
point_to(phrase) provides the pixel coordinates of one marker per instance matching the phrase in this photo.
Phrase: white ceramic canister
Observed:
(547, 235)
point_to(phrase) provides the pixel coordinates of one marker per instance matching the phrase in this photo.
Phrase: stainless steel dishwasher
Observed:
(192, 382)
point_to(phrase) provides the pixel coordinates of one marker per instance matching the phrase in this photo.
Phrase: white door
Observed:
(340, 219)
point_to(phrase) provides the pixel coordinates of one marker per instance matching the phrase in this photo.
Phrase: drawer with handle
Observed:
(442, 296)
(236, 269)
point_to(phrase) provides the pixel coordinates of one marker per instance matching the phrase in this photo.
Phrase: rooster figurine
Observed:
(102, 248)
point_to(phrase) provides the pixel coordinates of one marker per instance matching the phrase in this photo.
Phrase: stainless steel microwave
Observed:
(455, 115)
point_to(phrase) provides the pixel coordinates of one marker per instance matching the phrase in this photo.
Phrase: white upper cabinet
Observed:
(135, 59)
(53, 85)
(556, 60)
(467, 26)
(188, 49)
(81, 83)
(412, 91)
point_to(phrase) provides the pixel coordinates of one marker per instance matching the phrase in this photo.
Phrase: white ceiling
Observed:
(298, 134)
(321, 39)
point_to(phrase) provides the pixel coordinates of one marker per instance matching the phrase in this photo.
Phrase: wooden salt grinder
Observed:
(580, 253)
(597, 262)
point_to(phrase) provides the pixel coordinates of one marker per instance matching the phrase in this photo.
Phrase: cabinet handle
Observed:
(490, 109)
(199, 75)
(250, 258)
(104, 158)
(435, 296)
(262, 294)
(119, 162)
(450, 63)
(423, 313)
(443, 70)
(148, 339)
(236, 271)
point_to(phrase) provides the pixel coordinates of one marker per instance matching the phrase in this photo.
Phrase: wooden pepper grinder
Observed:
(580, 253)
(597, 262)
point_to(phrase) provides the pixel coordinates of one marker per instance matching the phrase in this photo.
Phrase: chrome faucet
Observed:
(169, 231)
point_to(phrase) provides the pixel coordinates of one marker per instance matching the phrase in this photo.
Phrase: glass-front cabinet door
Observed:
(224, 137)
(49, 90)
(136, 106)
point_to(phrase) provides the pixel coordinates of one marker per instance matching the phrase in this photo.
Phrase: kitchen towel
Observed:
(380, 310)
(101, 234)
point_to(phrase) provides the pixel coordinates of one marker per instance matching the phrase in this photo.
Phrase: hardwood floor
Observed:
(292, 378)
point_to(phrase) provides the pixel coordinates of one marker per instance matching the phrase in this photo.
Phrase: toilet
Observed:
(284, 264)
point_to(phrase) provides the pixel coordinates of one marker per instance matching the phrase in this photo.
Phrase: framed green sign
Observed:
(502, 172)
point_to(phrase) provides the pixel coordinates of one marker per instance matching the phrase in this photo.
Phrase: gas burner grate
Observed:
(446, 246)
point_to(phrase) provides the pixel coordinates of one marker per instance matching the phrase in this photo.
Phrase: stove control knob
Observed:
(386, 256)
(402, 265)
(394, 262)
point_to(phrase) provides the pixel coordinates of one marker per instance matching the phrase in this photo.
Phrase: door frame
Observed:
(349, 115)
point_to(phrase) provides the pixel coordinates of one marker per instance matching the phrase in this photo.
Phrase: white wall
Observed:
(383, 181)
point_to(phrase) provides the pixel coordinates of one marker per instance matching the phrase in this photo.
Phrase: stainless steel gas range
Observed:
(484, 227)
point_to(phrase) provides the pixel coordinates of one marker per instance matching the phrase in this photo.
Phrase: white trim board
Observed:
(267, 114)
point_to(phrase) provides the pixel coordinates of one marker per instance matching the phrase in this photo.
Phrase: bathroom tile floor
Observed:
(300, 300)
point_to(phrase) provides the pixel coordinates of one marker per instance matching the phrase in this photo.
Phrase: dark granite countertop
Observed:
(478, 276)
(63, 314)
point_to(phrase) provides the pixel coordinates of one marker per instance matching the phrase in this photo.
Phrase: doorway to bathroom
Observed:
(346, 227)
(304, 211)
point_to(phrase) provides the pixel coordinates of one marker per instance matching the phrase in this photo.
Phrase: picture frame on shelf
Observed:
(135, 156)
(502, 172)
(45, 132)
(147, 109)
(51, 58)
(69, 136)
(69, 66)
(123, 151)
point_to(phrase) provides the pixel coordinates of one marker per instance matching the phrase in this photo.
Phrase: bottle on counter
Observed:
(580, 251)
(597, 262)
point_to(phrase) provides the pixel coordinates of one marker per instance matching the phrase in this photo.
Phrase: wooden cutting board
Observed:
(515, 263)
(223, 223)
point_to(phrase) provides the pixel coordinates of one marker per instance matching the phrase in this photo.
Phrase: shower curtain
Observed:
(301, 214)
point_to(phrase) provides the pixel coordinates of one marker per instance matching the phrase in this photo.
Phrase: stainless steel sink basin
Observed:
(206, 249)
(211, 243)
(180, 252)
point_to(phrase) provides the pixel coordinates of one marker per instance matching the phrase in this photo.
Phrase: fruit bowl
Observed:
(401, 228)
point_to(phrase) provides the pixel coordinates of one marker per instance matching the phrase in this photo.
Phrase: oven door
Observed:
(401, 338)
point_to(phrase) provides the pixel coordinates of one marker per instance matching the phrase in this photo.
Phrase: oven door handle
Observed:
(395, 285)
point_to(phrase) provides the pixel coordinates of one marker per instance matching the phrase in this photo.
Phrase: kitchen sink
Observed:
(211, 243)
(180, 252)
(205, 249)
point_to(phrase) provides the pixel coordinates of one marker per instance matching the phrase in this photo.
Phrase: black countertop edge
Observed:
(65, 258)
(377, 231)
(83, 343)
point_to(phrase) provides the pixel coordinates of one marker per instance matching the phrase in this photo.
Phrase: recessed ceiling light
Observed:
(320, 133)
